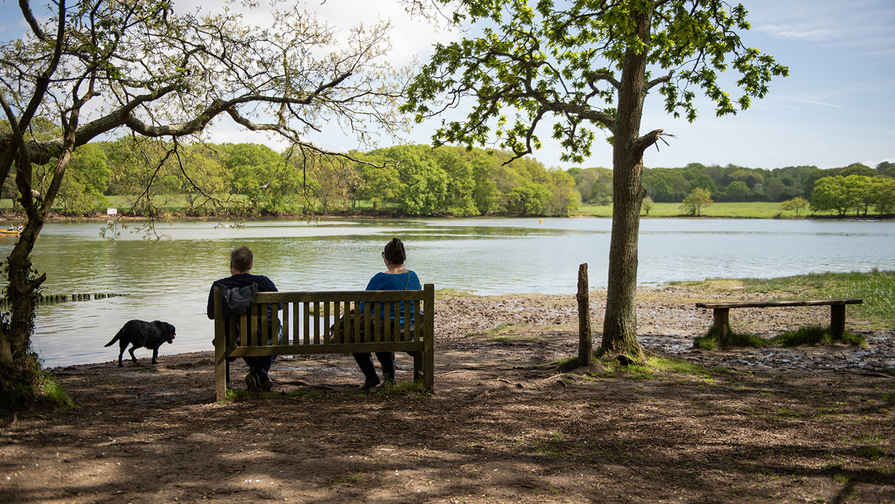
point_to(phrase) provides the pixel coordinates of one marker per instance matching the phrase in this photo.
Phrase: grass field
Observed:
(751, 210)
(762, 210)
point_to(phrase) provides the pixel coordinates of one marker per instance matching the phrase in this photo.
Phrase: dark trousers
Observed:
(386, 361)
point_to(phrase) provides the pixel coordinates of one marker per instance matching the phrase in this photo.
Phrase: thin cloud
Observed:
(805, 34)
(812, 102)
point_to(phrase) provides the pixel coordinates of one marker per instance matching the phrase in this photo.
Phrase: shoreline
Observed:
(667, 323)
(8, 217)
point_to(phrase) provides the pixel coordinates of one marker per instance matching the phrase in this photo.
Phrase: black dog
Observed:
(143, 334)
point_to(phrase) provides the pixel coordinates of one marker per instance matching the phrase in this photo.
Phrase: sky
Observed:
(837, 107)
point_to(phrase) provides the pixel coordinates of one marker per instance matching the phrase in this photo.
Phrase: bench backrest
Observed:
(305, 318)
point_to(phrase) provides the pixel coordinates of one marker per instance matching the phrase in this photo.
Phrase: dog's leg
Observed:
(154, 355)
(133, 357)
(120, 354)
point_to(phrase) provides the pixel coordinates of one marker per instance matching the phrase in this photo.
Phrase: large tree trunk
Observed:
(18, 366)
(19, 369)
(620, 322)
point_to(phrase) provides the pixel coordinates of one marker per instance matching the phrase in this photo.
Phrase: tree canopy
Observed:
(94, 68)
(575, 67)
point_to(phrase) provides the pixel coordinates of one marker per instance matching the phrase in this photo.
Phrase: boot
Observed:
(387, 361)
(366, 366)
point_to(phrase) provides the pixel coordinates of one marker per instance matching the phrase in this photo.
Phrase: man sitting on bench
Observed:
(241, 262)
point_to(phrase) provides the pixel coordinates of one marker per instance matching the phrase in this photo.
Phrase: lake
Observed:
(169, 280)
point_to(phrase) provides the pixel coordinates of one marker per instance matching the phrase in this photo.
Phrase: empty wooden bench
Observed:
(305, 319)
(721, 312)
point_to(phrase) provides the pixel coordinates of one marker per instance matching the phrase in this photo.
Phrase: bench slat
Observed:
(334, 348)
(769, 304)
(338, 296)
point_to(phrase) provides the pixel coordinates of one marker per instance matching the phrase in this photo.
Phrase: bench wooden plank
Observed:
(769, 304)
(302, 336)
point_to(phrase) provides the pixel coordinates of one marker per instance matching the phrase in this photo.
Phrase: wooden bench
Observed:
(305, 319)
(721, 312)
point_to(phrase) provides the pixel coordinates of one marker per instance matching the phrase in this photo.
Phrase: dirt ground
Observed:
(813, 424)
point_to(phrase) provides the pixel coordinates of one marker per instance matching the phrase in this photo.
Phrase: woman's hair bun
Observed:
(394, 251)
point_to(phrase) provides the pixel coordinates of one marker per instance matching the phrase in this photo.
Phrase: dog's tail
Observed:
(116, 338)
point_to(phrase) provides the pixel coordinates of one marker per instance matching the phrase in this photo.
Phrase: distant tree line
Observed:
(252, 179)
(854, 189)
(854, 194)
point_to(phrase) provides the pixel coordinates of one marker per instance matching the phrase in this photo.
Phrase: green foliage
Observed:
(853, 193)
(882, 195)
(794, 205)
(268, 182)
(694, 202)
(732, 183)
(737, 191)
(420, 180)
(86, 181)
(816, 335)
(54, 393)
(711, 340)
(154, 178)
(424, 184)
(646, 205)
(567, 60)
(593, 184)
(808, 335)
(529, 199)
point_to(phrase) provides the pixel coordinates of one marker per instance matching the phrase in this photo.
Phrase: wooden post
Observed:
(585, 340)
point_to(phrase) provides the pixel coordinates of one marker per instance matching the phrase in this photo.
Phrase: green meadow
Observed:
(749, 210)
(875, 288)
(177, 203)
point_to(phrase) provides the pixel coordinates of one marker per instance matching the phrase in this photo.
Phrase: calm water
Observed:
(169, 280)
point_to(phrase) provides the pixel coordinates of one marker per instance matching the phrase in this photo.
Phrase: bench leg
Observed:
(221, 377)
(417, 366)
(429, 369)
(721, 321)
(837, 321)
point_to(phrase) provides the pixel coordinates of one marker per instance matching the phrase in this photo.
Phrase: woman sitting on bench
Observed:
(396, 277)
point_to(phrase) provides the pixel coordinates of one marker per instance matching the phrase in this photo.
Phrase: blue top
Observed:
(400, 281)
